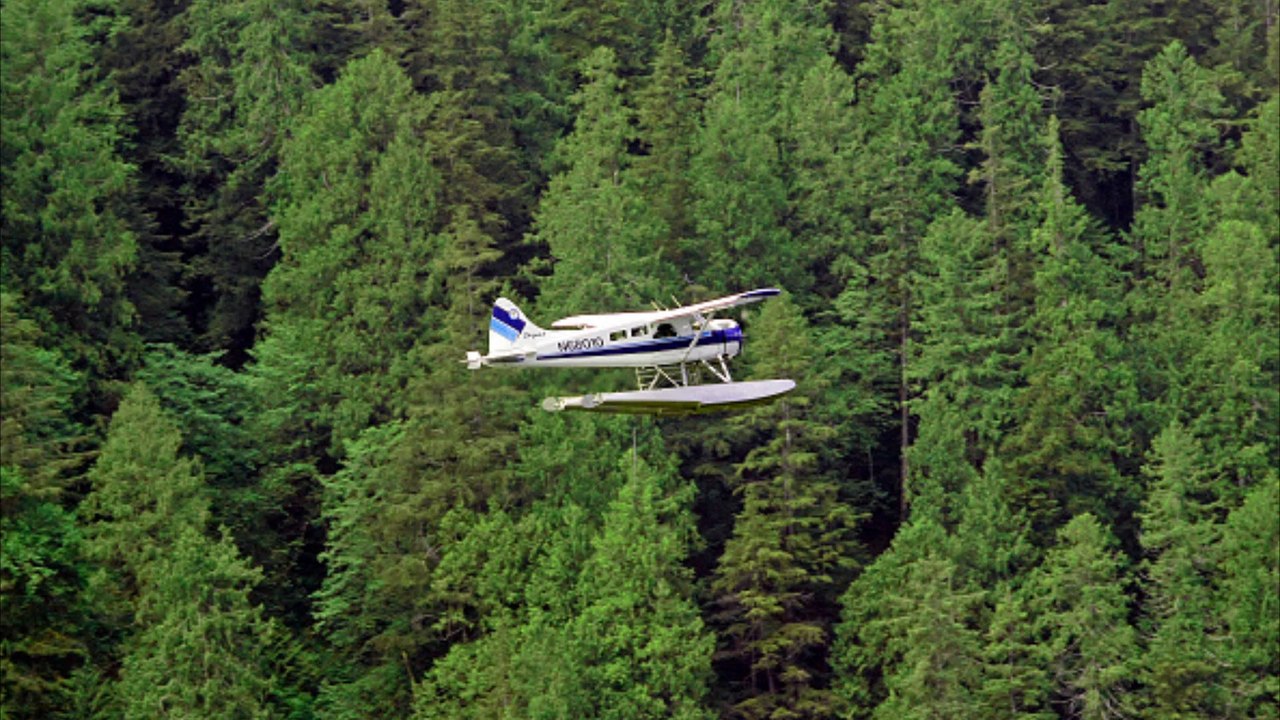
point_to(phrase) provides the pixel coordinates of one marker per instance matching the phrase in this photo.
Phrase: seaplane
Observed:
(680, 356)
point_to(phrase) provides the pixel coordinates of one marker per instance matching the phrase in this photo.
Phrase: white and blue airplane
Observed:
(672, 351)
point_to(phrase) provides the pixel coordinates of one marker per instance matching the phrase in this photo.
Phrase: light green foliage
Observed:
(1236, 387)
(1176, 129)
(967, 356)
(603, 242)
(1015, 666)
(904, 644)
(144, 493)
(1078, 610)
(351, 499)
(1012, 169)
(740, 197)
(202, 647)
(939, 669)
(357, 221)
(1175, 215)
(1179, 534)
(66, 246)
(643, 650)
(1248, 601)
(584, 610)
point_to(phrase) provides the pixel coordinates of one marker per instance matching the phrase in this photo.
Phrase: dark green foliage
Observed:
(249, 72)
(41, 577)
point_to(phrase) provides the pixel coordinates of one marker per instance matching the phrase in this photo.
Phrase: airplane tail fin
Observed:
(508, 327)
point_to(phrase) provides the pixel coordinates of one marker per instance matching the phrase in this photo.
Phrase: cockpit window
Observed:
(665, 330)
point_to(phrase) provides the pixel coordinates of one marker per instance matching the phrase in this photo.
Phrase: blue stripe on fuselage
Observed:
(650, 346)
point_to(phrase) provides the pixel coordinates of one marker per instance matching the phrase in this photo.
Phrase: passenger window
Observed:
(617, 335)
(665, 330)
(639, 331)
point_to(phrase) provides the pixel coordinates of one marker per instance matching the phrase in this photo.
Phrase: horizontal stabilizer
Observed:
(691, 400)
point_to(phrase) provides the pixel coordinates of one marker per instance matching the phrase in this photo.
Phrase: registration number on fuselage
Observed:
(580, 344)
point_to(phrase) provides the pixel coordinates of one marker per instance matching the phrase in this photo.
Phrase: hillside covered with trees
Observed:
(1031, 259)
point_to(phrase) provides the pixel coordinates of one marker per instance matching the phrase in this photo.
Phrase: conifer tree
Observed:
(352, 297)
(666, 121)
(144, 492)
(1071, 414)
(1235, 392)
(523, 628)
(870, 639)
(357, 218)
(140, 57)
(966, 357)
(67, 246)
(1177, 129)
(1015, 667)
(602, 240)
(455, 57)
(1078, 610)
(1093, 56)
(202, 648)
(775, 585)
(906, 179)
(643, 650)
(1247, 601)
(249, 71)
(40, 577)
(41, 570)
(762, 109)
(1012, 168)
(1179, 534)
(939, 669)
(188, 594)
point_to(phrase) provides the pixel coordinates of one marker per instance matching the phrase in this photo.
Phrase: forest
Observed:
(1030, 255)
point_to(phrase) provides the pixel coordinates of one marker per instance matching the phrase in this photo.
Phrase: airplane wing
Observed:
(643, 318)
